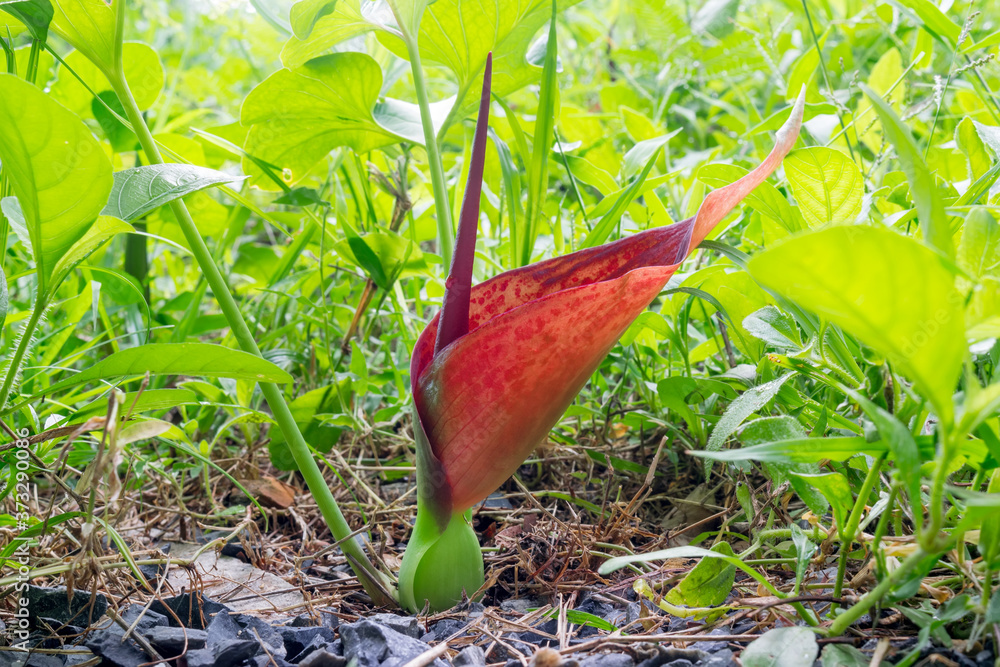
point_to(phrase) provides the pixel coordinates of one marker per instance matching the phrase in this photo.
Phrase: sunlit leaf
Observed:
(60, 174)
(139, 190)
(90, 27)
(179, 359)
(827, 185)
(143, 72)
(298, 116)
(893, 293)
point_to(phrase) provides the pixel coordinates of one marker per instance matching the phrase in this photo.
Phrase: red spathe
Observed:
(536, 334)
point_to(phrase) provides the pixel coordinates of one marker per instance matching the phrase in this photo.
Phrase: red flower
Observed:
(503, 375)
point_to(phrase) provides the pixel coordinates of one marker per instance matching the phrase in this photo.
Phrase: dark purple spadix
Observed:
(458, 287)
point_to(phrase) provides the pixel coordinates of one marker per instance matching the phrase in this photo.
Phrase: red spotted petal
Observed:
(536, 334)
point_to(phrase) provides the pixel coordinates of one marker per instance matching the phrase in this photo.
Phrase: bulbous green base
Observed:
(438, 568)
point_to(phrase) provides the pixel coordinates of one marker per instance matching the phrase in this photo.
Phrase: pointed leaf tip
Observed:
(719, 203)
(458, 287)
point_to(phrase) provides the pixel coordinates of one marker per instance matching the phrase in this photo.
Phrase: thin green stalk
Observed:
(22, 348)
(375, 584)
(826, 75)
(32, 72)
(861, 607)
(445, 231)
(854, 520)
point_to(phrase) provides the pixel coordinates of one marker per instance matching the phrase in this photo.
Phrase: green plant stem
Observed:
(375, 584)
(445, 231)
(22, 348)
(928, 537)
(851, 529)
(32, 71)
(850, 615)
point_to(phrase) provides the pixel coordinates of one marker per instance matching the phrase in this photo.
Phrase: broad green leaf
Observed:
(746, 404)
(708, 584)
(977, 160)
(90, 27)
(297, 116)
(826, 183)
(774, 327)
(884, 74)
(143, 72)
(844, 655)
(59, 173)
(199, 359)
(139, 190)
(782, 647)
(455, 34)
(365, 257)
(923, 188)
(307, 410)
(765, 198)
(893, 293)
(837, 490)
(334, 21)
(673, 393)
(34, 14)
(104, 229)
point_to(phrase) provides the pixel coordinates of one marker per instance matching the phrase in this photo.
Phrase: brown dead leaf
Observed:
(270, 492)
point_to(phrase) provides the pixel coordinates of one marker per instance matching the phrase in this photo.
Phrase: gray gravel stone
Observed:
(471, 656)
(374, 645)
(169, 642)
(406, 625)
(53, 603)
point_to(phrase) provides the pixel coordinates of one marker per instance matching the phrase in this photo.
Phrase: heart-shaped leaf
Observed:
(456, 34)
(91, 27)
(34, 14)
(60, 174)
(143, 72)
(827, 185)
(297, 116)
